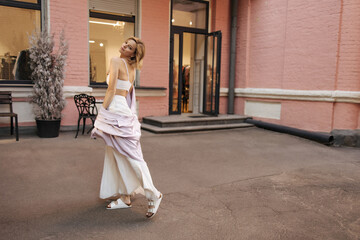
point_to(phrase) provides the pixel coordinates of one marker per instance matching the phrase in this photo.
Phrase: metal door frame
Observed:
(181, 30)
(214, 109)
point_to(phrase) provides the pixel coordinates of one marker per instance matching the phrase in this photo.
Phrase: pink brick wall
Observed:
(312, 29)
(349, 51)
(266, 45)
(291, 44)
(153, 106)
(296, 114)
(301, 45)
(346, 116)
(155, 32)
(70, 114)
(221, 20)
(73, 17)
(223, 105)
(241, 73)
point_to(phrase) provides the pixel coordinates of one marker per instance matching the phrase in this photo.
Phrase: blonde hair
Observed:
(139, 52)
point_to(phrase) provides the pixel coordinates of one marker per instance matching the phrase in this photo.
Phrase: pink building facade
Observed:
(300, 59)
(297, 62)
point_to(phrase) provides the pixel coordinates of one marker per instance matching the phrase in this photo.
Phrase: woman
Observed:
(125, 171)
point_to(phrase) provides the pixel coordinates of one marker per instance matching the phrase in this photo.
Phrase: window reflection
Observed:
(175, 74)
(189, 14)
(27, 1)
(16, 24)
(105, 39)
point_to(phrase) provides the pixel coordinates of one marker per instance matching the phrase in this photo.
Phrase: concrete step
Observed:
(156, 129)
(193, 120)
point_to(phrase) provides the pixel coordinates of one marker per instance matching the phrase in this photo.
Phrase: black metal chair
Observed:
(6, 98)
(86, 106)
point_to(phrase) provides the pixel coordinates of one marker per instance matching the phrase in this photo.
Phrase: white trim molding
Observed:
(299, 95)
(19, 92)
(70, 91)
(100, 92)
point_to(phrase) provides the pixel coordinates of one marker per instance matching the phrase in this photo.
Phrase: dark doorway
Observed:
(194, 60)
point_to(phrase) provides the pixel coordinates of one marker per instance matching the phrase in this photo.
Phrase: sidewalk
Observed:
(227, 184)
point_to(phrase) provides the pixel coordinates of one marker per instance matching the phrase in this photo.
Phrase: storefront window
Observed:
(28, 1)
(189, 14)
(105, 39)
(16, 24)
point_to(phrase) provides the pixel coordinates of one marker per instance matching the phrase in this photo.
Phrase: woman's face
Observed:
(128, 48)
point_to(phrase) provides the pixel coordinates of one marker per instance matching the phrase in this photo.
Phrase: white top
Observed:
(122, 84)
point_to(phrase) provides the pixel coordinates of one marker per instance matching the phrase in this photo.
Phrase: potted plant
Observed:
(48, 73)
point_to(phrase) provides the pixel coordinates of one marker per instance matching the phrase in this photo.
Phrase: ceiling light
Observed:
(118, 24)
(106, 23)
(101, 44)
(91, 41)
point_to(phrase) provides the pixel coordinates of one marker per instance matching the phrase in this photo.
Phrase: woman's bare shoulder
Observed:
(117, 63)
(115, 60)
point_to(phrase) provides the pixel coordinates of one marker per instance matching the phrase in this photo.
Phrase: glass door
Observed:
(188, 52)
(175, 75)
(188, 29)
(212, 74)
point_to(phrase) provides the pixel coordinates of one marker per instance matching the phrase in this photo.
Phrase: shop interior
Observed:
(191, 71)
(14, 45)
(105, 39)
(191, 15)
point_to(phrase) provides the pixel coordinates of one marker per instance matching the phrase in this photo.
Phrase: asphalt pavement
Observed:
(225, 184)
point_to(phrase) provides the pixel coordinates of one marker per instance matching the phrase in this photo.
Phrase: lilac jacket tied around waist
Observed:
(120, 131)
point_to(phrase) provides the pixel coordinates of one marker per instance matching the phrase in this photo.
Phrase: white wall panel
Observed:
(263, 109)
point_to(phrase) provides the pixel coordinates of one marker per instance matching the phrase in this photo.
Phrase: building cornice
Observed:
(298, 95)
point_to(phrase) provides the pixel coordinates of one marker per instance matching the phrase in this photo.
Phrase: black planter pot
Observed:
(48, 128)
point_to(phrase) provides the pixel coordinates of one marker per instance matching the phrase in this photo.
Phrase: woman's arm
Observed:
(110, 92)
(132, 84)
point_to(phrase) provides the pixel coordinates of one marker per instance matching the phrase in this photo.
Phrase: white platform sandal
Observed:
(118, 204)
(153, 206)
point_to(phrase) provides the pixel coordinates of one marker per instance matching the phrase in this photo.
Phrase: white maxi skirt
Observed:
(121, 174)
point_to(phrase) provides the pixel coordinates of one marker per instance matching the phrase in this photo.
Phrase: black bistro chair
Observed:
(6, 98)
(86, 107)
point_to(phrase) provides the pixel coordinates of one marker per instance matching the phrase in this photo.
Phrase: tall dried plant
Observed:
(48, 73)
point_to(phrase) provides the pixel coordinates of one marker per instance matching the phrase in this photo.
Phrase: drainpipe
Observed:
(231, 94)
(323, 138)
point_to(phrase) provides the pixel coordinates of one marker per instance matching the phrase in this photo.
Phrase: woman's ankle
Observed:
(126, 199)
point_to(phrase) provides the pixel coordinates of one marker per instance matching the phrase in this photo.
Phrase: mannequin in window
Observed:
(22, 69)
(185, 86)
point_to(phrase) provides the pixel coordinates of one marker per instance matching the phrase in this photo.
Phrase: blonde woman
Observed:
(125, 171)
